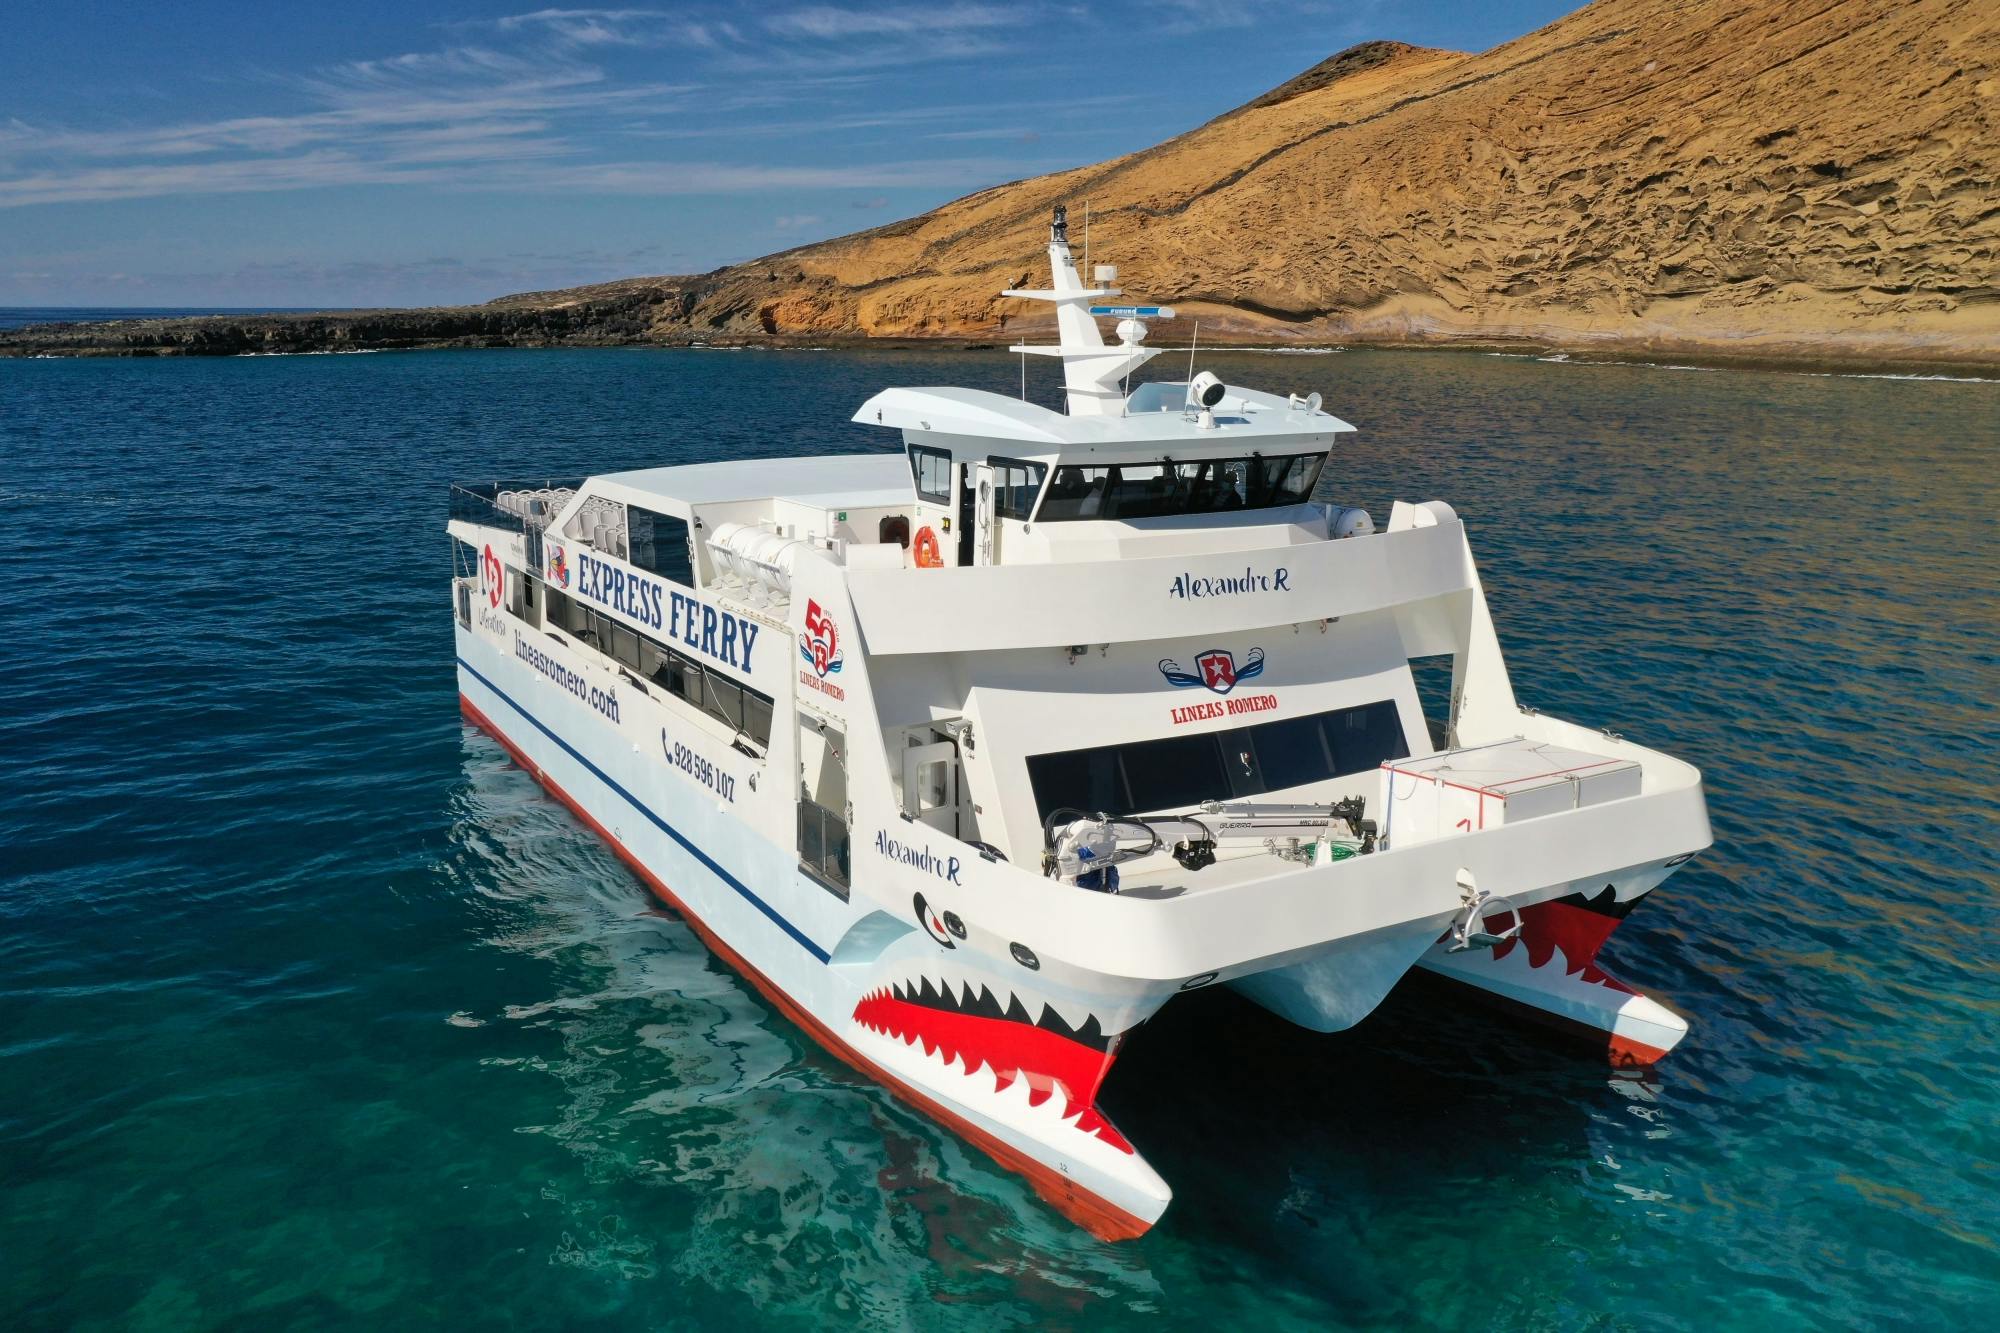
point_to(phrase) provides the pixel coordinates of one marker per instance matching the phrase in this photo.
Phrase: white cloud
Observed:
(1017, 133)
(618, 27)
(480, 166)
(534, 100)
(679, 178)
(831, 23)
(1179, 18)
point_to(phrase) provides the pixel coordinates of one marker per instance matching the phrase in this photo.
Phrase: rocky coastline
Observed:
(631, 324)
(1640, 180)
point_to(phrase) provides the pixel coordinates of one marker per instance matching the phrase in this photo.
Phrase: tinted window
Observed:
(1203, 486)
(1180, 772)
(1081, 779)
(619, 640)
(1284, 481)
(655, 663)
(931, 469)
(1291, 752)
(1161, 773)
(566, 613)
(660, 544)
(1363, 737)
(1015, 485)
(757, 716)
(725, 700)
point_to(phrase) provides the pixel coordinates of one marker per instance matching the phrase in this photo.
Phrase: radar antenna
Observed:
(1092, 372)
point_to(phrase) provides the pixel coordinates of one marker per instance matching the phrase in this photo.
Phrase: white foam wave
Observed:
(325, 351)
(1862, 375)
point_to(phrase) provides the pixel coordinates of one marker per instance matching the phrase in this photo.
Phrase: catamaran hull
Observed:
(1012, 1070)
(1551, 974)
(1008, 1051)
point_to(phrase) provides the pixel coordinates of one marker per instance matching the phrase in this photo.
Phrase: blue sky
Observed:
(388, 153)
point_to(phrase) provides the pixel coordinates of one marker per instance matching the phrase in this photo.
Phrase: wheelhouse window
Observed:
(931, 469)
(1180, 772)
(1198, 486)
(1015, 486)
(659, 543)
(1287, 479)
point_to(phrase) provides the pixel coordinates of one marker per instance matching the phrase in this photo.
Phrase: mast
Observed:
(1093, 373)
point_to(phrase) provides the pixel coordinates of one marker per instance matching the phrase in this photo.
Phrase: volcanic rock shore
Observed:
(1768, 180)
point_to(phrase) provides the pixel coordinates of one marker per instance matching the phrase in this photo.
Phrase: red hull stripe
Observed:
(741, 888)
(1097, 1215)
(1629, 1054)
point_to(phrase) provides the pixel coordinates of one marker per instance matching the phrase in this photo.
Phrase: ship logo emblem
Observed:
(821, 645)
(559, 565)
(491, 576)
(1217, 670)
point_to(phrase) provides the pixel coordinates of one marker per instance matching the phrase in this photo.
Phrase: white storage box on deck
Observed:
(1464, 791)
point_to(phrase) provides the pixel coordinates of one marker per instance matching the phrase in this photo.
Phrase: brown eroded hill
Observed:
(1770, 176)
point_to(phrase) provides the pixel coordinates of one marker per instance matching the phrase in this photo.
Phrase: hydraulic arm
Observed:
(1086, 849)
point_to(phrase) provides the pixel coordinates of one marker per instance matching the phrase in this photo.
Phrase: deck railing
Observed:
(514, 505)
(526, 507)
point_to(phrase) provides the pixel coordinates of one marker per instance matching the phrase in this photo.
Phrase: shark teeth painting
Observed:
(1049, 1058)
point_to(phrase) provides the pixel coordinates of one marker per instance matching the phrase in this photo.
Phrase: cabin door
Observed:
(823, 837)
(966, 485)
(983, 503)
(930, 785)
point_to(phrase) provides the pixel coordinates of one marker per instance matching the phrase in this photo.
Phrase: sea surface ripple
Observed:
(316, 1013)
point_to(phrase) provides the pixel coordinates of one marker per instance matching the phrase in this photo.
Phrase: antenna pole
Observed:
(1193, 338)
(1086, 239)
(1024, 377)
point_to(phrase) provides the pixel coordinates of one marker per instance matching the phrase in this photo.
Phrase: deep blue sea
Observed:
(316, 1013)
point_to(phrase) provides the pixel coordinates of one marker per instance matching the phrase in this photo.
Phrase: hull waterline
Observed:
(1095, 1214)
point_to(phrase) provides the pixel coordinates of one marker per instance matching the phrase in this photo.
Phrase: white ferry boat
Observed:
(971, 754)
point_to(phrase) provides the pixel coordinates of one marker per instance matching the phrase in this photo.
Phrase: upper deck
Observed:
(1160, 470)
(841, 481)
(1154, 417)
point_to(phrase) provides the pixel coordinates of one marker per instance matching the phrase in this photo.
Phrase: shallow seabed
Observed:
(316, 1013)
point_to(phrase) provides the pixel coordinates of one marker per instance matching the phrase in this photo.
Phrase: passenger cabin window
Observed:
(659, 543)
(723, 698)
(569, 615)
(931, 468)
(1180, 772)
(1015, 486)
(1200, 486)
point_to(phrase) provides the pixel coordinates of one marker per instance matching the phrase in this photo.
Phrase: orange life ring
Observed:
(927, 556)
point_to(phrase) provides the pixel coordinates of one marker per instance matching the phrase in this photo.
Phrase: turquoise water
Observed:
(317, 1013)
